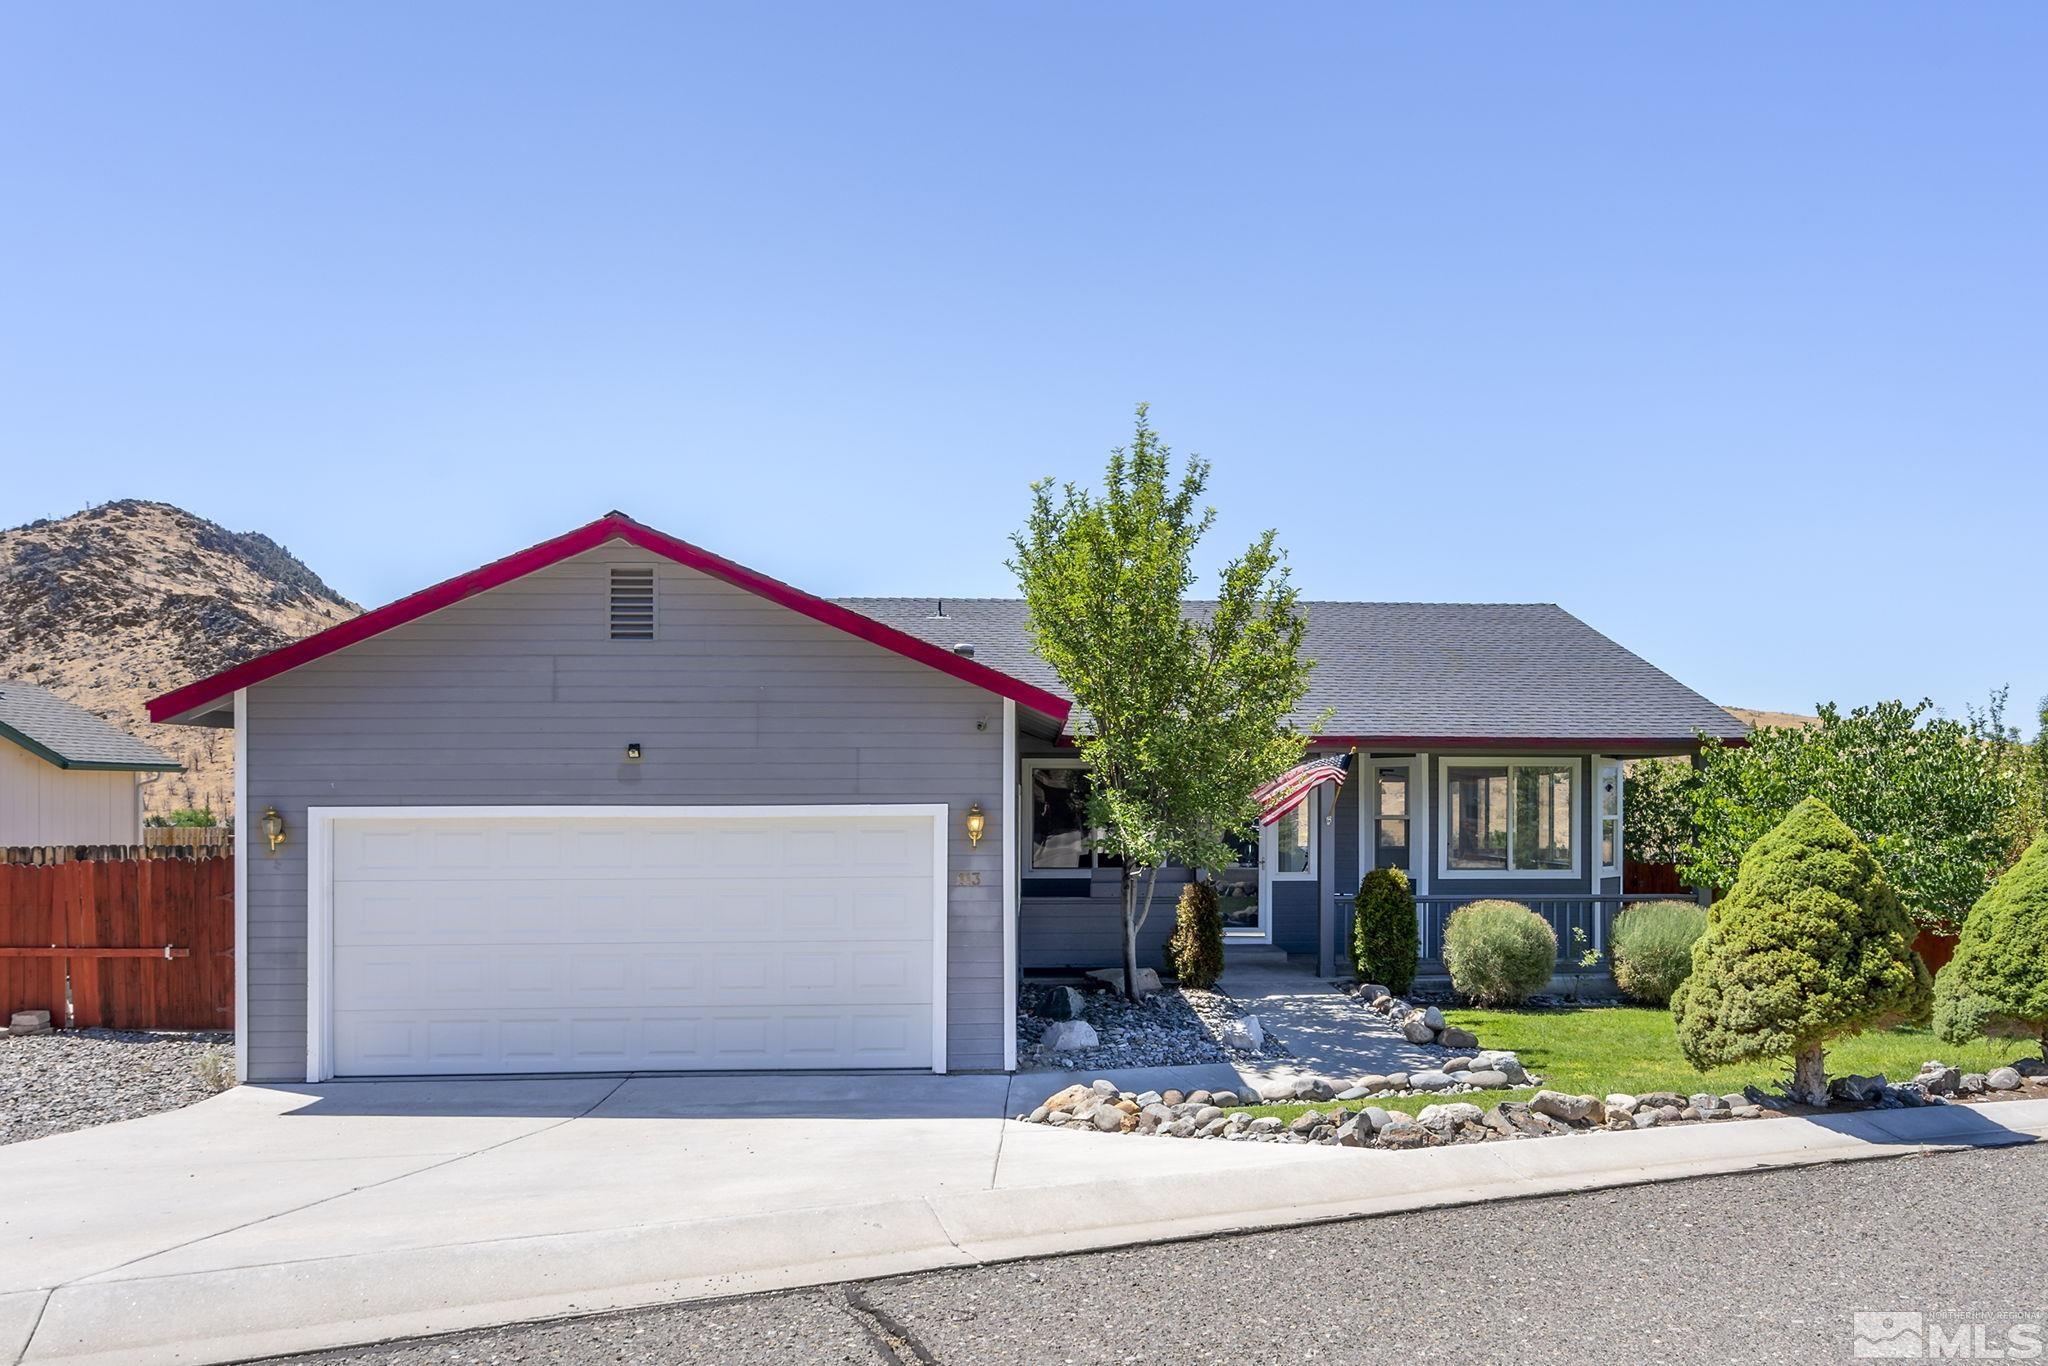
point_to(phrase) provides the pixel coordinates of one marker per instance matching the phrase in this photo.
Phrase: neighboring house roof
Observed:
(69, 736)
(1411, 672)
(197, 698)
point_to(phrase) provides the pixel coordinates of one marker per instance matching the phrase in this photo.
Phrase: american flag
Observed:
(1291, 788)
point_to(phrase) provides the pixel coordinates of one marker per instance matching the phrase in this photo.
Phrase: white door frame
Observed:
(320, 822)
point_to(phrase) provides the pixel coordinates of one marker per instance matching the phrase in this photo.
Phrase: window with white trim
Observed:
(1510, 817)
(1390, 819)
(1058, 836)
(1293, 837)
(1609, 791)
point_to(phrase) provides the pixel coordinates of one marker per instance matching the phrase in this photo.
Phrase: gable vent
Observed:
(632, 615)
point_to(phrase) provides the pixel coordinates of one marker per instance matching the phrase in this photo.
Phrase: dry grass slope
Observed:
(124, 601)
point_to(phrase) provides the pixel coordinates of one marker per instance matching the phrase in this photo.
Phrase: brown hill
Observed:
(1781, 720)
(116, 604)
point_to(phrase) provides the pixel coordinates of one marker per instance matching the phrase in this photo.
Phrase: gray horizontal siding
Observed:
(516, 697)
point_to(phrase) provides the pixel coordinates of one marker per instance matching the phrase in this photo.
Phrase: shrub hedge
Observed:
(1499, 952)
(1195, 950)
(1653, 948)
(1384, 938)
(1997, 983)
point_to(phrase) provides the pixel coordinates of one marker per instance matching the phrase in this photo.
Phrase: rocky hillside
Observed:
(124, 601)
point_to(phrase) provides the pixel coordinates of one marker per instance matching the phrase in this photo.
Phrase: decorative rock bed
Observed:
(1099, 1107)
(52, 1082)
(1097, 1029)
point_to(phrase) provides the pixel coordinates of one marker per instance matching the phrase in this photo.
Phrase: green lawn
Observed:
(1635, 1049)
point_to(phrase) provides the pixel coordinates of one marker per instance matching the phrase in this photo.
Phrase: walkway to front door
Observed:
(1328, 1033)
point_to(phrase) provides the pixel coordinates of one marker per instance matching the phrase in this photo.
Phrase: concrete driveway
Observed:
(278, 1219)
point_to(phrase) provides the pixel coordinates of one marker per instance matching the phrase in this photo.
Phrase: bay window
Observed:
(1511, 817)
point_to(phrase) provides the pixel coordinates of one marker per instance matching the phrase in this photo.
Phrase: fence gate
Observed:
(121, 943)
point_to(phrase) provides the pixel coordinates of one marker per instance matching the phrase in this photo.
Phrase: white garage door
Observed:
(777, 938)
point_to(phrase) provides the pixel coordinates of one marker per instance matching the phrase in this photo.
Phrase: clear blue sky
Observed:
(1722, 326)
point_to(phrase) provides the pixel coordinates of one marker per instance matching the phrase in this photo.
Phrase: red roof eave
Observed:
(613, 527)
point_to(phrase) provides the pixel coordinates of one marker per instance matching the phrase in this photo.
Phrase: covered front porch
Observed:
(1542, 825)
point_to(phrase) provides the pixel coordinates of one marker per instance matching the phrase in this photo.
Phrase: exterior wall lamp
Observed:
(977, 825)
(273, 828)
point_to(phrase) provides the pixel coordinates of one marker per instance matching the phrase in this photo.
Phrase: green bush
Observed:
(1653, 948)
(1384, 939)
(1810, 945)
(1499, 952)
(1997, 983)
(1195, 951)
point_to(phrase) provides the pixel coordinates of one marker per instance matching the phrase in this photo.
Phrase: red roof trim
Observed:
(612, 527)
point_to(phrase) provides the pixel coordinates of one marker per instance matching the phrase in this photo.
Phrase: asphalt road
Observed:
(1764, 1267)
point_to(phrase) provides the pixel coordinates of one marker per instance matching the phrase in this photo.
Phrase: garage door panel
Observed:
(552, 910)
(616, 943)
(449, 1042)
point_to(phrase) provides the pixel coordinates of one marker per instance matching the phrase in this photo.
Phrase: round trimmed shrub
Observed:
(1809, 946)
(1499, 953)
(1195, 950)
(1996, 986)
(1653, 948)
(1384, 938)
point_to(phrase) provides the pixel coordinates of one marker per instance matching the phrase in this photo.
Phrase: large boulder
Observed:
(1062, 1003)
(1245, 1033)
(1313, 1088)
(2002, 1079)
(1430, 1080)
(1415, 1029)
(1073, 1099)
(1454, 1037)
(1857, 1090)
(1568, 1108)
(1066, 1036)
(1148, 979)
(1448, 1116)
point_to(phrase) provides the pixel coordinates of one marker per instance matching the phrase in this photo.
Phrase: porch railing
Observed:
(1590, 914)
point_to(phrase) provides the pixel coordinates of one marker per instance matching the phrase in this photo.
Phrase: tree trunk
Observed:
(1129, 888)
(1810, 1076)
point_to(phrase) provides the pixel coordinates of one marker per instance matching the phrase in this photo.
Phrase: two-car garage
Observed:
(450, 940)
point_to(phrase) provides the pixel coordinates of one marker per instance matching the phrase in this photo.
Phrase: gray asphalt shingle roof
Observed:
(68, 736)
(1410, 670)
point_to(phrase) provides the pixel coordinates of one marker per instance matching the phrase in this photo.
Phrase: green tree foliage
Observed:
(1809, 946)
(1195, 951)
(1182, 715)
(1934, 799)
(1996, 985)
(1657, 795)
(1499, 953)
(1653, 948)
(1385, 941)
(185, 817)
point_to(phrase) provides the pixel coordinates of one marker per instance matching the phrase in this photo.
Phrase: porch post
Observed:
(1326, 879)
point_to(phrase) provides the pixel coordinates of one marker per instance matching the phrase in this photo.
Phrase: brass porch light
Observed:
(977, 825)
(273, 828)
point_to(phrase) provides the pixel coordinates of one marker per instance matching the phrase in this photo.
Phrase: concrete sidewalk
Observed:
(273, 1220)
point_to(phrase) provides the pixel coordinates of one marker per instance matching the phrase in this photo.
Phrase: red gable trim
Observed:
(613, 527)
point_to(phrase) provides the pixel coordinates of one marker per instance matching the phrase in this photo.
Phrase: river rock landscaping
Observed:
(1095, 1028)
(54, 1082)
(1099, 1107)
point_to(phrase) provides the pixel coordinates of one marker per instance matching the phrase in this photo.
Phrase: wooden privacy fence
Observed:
(122, 942)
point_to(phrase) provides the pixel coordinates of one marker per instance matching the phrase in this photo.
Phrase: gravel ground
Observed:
(1762, 1267)
(1174, 1028)
(74, 1079)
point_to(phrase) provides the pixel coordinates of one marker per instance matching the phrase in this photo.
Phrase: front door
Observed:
(1246, 886)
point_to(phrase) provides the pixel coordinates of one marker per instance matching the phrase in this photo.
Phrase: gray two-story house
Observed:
(616, 803)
